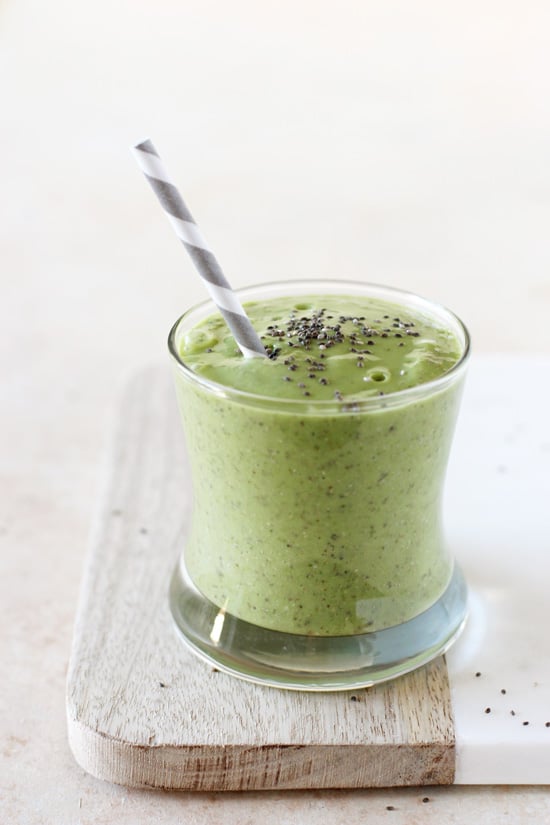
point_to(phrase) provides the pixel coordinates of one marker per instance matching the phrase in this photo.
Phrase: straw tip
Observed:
(144, 145)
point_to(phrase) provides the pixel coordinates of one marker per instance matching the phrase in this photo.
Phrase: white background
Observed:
(402, 142)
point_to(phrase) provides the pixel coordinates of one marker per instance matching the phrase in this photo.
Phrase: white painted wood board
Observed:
(143, 711)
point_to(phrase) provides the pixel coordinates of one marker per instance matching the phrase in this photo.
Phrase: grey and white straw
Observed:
(202, 256)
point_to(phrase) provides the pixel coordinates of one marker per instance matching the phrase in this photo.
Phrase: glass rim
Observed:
(307, 405)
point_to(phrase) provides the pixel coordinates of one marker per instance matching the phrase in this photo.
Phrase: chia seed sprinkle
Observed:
(314, 332)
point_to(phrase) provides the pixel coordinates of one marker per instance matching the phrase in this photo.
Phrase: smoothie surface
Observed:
(325, 347)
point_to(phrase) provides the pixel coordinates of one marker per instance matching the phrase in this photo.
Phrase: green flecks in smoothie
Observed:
(325, 347)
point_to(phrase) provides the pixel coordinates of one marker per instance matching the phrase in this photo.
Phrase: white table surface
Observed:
(403, 143)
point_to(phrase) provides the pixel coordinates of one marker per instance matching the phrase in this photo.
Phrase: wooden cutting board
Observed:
(144, 712)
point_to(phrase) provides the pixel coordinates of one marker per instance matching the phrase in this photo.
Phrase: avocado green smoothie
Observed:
(318, 471)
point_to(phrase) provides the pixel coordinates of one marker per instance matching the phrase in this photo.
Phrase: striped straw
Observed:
(204, 259)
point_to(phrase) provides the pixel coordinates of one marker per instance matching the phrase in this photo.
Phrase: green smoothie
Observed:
(318, 471)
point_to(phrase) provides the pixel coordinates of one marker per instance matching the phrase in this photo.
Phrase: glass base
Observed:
(315, 663)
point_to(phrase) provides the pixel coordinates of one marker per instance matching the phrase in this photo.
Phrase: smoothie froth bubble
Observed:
(318, 472)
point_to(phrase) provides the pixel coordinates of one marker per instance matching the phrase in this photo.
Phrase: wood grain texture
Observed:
(144, 712)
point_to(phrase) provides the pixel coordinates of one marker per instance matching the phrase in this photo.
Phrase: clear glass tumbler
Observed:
(316, 558)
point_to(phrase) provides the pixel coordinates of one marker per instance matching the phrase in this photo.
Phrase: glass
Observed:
(298, 574)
